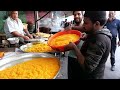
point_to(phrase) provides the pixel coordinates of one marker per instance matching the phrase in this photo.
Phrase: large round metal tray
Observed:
(9, 62)
(23, 47)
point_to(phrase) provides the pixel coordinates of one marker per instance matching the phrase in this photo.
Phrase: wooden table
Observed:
(2, 37)
(7, 49)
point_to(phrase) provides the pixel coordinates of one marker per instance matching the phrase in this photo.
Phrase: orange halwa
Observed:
(37, 68)
(1, 54)
(64, 39)
(39, 47)
(45, 35)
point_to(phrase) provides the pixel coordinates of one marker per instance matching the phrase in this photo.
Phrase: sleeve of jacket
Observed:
(93, 56)
(119, 29)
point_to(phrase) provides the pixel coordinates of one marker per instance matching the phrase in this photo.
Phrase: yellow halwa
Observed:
(37, 68)
(43, 34)
(39, 47)
(64, 39)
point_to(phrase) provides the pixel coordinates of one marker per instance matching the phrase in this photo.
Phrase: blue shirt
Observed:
(114, 27)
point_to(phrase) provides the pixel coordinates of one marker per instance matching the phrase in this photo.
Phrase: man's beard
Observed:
(77, 22)
(89, 31)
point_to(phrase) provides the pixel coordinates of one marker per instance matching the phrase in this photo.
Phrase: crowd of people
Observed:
(88, 60)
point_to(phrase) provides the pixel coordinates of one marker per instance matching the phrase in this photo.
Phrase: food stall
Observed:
(38, 59)
(38, 47)
(17, 54)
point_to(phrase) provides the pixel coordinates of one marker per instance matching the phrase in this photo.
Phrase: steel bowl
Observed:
(11, 61)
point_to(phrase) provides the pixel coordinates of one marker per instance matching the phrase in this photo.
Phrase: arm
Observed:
(119, 33)
(15, 33)
(13, 30)
(26, 31)
(79, 55)
(93, 56)
(80, 28)
(28, 34)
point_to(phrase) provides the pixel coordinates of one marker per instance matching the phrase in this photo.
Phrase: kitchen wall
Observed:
(3, 16)
(2, 19)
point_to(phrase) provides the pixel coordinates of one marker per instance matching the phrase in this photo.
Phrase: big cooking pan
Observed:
(11, 61)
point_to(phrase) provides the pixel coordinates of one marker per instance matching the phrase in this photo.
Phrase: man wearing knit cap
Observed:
(91, 59)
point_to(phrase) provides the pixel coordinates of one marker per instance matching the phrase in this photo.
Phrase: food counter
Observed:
(37, 45)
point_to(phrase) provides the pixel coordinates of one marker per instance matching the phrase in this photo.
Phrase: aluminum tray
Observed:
(8, 62)
(23, 47)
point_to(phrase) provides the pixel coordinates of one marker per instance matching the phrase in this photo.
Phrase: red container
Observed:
(61, 48)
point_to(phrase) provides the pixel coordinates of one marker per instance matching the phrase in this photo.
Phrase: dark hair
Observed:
(10, 12)
(96, 16)
(75, 11)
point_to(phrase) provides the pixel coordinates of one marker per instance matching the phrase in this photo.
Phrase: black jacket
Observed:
(96, 51)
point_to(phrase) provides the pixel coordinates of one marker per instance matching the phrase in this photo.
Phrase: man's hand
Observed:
(70, 46)
(84, 36)
(118, 43)
(30, 36)
(68, 28)
(26, 38)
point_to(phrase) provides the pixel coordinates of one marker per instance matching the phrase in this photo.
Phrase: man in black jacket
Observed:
(91, 59)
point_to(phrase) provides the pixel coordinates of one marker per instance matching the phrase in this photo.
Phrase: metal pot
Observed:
(8, 62)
